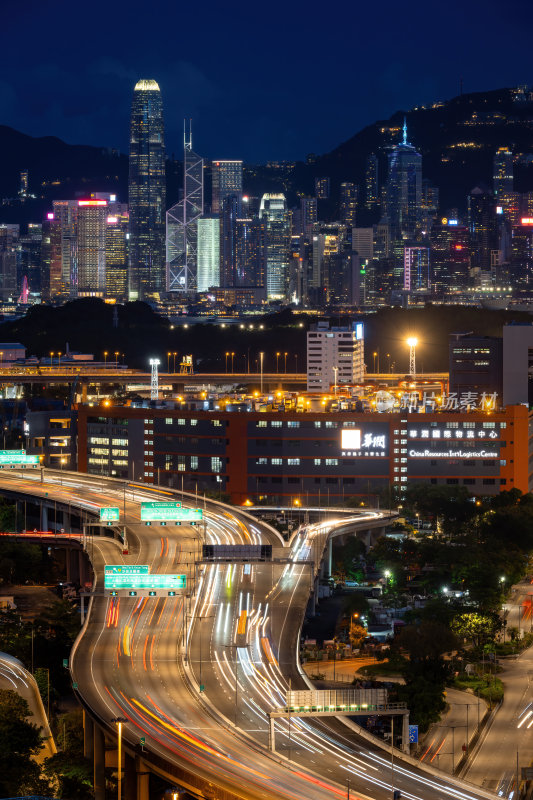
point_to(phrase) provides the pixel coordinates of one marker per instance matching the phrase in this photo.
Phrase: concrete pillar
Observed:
(143, 780)
(99, 764)
(81, 567)
(44, 517)
(67, 564)
(405, 733)
(330, 556)
(66, 521)
(130, 778)
(88, 736)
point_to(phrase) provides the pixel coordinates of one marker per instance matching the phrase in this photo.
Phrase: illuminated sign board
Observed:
(17, 458)
(157, 512)
(355, 442)
(359, 330)
(109, 514)
(453, 453)
(351, 439)
(526, 221)
(125, 581)
(92, 202)
(126, 569)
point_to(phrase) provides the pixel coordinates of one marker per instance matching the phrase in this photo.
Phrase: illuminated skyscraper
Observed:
(274, 213)
(147, 193)
(348, 206)
(116, 251)
(227, 182)
(182, 223)
(483, 227)
(208, 253)
(404, 189)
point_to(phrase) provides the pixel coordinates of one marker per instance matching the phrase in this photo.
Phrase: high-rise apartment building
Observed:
(335, 355)
(371, 181)
(322, 188)
(208, 253)
(348, 204)
(182, 223)
(91, 226)
(226, 182)
(308, 215)
(147, 193)
(24, 183)
(404, 189)
(502, 175)
(274, 213)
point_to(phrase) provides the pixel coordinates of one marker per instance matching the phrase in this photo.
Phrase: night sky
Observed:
(269, 80)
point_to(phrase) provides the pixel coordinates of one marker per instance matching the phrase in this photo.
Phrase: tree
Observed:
(424, 671)
(70, 770)
(21, 740)
(479, 628)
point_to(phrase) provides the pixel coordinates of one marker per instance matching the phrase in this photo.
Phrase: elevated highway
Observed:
(194, 697)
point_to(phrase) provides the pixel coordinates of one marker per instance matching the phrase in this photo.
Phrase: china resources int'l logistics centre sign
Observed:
(453, 453)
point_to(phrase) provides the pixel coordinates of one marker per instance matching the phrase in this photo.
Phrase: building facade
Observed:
(335, 355)
(313, 458)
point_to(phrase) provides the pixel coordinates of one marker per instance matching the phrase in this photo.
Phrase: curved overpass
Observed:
(171, 666)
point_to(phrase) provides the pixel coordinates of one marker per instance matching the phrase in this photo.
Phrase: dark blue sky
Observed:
(269, 80)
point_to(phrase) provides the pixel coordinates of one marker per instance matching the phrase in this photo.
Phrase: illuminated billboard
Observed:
(350, 439)
(367, 442)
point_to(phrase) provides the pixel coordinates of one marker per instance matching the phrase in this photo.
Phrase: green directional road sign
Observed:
(18, 458)
(127, 569)
(120, 581)
(142, 741)
(65, 663)
(110, 514)
(160, 512)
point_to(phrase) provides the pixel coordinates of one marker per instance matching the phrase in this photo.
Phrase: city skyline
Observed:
(251, 108)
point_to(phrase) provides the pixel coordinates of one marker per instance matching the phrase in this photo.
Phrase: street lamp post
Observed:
(412, 342)
(277, 361)
(119, 722)
(335, 371)
(285, 362)
(261, 357)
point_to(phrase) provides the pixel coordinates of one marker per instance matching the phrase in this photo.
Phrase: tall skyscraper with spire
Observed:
(147, 193)
(404, 188)
(182, 223)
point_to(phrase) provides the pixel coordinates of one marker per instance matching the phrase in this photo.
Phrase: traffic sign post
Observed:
(413, 734)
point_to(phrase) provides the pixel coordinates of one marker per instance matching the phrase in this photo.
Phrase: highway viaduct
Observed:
(208, 775)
